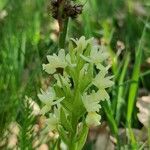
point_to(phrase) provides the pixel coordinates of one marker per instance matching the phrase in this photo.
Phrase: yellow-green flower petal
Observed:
(81, 44)
(93, 119)
(53, 121)
(103, 94)
(62, 80)
(47, 96)
(98, 55)
(55, 62)
(91, 102)
(102, 82)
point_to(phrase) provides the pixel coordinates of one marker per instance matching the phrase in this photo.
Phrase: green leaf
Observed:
(64, 121)
(2, 4)
(110, 117)
(63, 134)
(120, 99)
(134, 86)
(67, 101)
(82, 137)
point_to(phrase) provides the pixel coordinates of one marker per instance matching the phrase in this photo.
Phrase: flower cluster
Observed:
(81, 83)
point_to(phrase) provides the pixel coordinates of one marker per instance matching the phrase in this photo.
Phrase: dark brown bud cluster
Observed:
(67, 10)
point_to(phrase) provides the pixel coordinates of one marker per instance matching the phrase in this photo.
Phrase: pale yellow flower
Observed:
(48, 95)
(81, 43)
(84, 69)
(98, 54)
(103, 94)
(69, 61)
(62, 80)
(55, 62)
(53, 120)
(93, 119)
(48, 98)
(102, 82)
(91, 102)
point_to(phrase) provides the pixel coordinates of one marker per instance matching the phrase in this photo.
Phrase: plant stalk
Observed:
(63, 33)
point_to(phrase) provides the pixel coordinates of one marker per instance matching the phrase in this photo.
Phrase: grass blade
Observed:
(135, 77)
(120, 99)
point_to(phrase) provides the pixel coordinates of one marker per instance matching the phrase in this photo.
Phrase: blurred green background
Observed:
(28, 33)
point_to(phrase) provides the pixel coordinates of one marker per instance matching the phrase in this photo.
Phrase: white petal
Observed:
(55, 62)
(52, 123)
(93, 119)
(49, 68)
(103, 94)
(91, 102)
(101, 81)
(47, 96)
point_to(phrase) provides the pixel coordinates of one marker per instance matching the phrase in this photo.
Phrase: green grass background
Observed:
(25, 41)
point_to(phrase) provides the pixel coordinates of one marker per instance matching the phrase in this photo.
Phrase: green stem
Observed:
(135, 76)
(63, 34)
(72, 146)
(120, 99)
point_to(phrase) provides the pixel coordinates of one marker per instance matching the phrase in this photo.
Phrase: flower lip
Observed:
(81, 43)
(97, 55)
(49, 99)
(91, 102)
(55, 62)
(93, 119)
